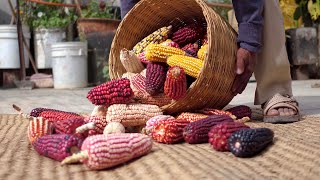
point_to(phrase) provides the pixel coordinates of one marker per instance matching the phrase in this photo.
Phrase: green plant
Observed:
(101, 9)
(37, 15)
(309, 11)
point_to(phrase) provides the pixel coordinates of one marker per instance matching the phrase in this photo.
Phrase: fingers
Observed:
(240, 65)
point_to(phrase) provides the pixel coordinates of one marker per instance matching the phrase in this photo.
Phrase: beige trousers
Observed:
(272, 69)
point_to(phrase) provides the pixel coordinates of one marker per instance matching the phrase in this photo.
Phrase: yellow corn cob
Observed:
(158, 36)
(160, 53)
(130, 61)
(202, 52)
(191, 66)
(132, 114)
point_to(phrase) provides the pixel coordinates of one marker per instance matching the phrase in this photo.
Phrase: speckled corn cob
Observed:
(105, 151)
(130, 61)
(52, 116)
(112, 92)
(170, 43)
(160, 53)
(219, 134)
(37, 111)
(142, 58)
(197, 132)
(138, 85)
(191, 117)
(158, 36)
(132, 114)
(168, 131)
(159, 100)
(203, 52)
(38, 127)
(191, 49)
(58, 146)
(95, 125)
(175, 85)
(156, 76)
(68, 126)
(152, 121)
(191, 66)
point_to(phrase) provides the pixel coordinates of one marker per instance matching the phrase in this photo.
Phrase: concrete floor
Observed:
(75, 100)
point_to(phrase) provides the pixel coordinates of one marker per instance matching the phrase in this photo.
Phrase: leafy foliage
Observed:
(101, 9)
(308, 10)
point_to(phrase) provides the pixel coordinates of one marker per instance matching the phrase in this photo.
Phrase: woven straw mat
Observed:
(295, 154)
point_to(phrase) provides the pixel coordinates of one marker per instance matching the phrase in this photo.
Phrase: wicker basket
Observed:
(213, 87)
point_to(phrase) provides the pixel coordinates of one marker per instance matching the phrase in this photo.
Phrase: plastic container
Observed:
(43, 38)
(69, 65)
(9, 47)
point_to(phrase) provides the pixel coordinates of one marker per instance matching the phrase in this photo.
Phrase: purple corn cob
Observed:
(37, 111)
(58, 146)
(68, 126)
(241, 111)
(156, 76)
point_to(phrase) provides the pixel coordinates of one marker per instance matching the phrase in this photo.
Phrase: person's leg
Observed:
(272, 70)
(126, 6)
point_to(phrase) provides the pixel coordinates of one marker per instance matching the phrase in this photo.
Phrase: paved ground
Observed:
(75, 100)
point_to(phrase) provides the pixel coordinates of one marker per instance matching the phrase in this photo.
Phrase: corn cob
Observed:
(152, 121)
(114, 127)
(191, 49)
(159, 100)
(191, 117)
(168, 131)
(186, 35)
(68, 126)
(112, 92)
(142, 58)
(58, 146)
(160, 53)
(170, 43)
(130, 61)
(191, 66)
(105, 151)
(205, 39)
(241, 111)
(95, 125)
(219, 134)
(175, 85)
(158, 36)
(99, 110)
(132, 114)
(38, 127)
(144, 72)
(139, 85)
(249, 142)
(202, 53)
(156, 76)
(211, 111)
(128, 75)
(53, 116)
(197, 132)
(37, 111)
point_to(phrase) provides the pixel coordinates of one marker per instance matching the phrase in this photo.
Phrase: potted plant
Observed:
(49, 24)
(97, 25)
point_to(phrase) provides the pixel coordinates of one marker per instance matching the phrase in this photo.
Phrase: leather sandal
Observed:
(281, 101)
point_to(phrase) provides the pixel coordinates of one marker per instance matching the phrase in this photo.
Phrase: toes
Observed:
(281, 111)
(273, 112)
(286, 112)
(292, 112)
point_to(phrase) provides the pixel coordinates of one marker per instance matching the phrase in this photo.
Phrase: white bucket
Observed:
(69, 65)
(9, 47)
(43, 38)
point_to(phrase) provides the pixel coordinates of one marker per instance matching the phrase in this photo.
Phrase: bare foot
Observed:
(281, 112)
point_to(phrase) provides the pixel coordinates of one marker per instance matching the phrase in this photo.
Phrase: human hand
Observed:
(244, 69)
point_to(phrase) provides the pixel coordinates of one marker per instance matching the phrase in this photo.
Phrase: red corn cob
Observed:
(168, 131)
(159, 100)
(95, 125)
(151, 122)
(142, 57)
(112, 92)
(52, 116)
(68, 126)
(191, 49)
(186, 35)
(139, 86)
(156, 76)
(175, 85)
(211, 111)
(197, 132)
(58, 146)
(219, 134)
(105, 151)
(241, 111)
(37, 111)
(191, 117)
(170, 43)
(38, 127)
